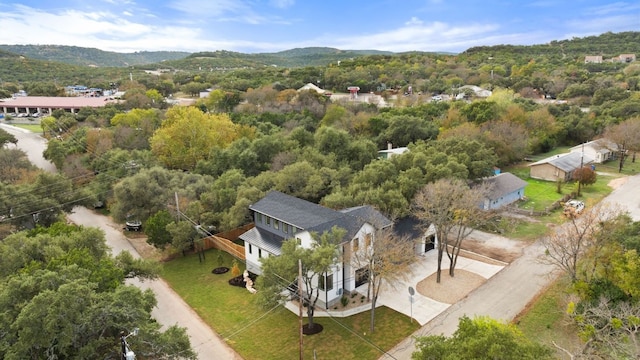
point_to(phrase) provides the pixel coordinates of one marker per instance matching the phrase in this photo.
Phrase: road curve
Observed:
(171, 309)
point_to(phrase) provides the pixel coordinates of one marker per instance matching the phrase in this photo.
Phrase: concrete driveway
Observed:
(509, 291)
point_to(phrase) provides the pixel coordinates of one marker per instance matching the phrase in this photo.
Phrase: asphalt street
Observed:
(508, 292)
(171, 309)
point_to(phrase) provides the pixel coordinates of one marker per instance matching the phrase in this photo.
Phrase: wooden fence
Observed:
(221, 241)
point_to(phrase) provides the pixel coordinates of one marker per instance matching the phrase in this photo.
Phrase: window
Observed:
(250, 249)
(299, 241)
(367, 240)
(294, 229)
(259, 218)
(268, 220)
(276, 224)
(356, 244)
(325, 283)
(285, 227)
(259, 253)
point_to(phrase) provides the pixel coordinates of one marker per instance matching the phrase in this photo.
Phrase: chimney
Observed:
(389, 146)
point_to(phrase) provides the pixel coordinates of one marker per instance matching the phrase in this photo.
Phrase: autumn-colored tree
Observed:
(388, 259)
(453, 208)
(626, 136)
(188, 135)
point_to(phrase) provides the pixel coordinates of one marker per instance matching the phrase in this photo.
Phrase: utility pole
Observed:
(177, 206)
(300, 304)
(581, 170)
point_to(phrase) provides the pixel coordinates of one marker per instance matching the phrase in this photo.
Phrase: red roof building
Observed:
(46, 104)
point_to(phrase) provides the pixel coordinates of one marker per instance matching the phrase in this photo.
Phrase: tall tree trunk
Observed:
(439, 265)
(310, 311)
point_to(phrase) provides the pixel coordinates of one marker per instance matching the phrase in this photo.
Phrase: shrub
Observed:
(344, 300)
(235, 269)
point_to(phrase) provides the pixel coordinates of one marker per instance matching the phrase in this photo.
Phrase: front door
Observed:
(362, 276)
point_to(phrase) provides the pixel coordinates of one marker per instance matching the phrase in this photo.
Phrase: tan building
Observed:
(559, 167)
(594, 59)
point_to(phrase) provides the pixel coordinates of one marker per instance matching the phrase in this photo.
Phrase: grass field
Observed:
(258, 333)
(35, 128)
(546, 320)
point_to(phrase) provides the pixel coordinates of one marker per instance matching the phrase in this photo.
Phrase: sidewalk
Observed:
(422, 309)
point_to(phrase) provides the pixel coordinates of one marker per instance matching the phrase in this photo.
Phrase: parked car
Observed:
(575, 206)
(133, 225)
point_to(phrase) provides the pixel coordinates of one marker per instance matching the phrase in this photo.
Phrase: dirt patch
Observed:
(144, 249)
(616, 183)
(478, 250)
(450, 290)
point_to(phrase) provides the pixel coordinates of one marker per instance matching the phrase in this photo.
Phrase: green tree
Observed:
(278, 272)
(481, 338)
(187, 136)
(6, 138)
(156, 229)
(63, 296)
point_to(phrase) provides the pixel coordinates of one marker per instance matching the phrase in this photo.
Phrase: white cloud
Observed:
(413, 22)
(282, 4)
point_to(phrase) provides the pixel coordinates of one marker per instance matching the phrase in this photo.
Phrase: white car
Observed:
(576, 205)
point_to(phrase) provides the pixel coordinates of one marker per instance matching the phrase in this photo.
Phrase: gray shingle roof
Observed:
(370, 215)
(292, 210)
(566, 162)
(312, 217)
(503, 184)
(264, 239)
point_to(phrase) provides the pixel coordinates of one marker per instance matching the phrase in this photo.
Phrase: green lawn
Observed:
(257, 333)
(36, 128)
(546, 320)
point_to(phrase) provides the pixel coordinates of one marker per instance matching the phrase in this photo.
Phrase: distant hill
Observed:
(311, 56)
(75, 55)
(607, 45)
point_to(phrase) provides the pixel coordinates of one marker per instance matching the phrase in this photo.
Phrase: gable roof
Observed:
(312, 217)
(300, 213)
(567, 161)
(600, 145)
(503, 184)
(311, 86)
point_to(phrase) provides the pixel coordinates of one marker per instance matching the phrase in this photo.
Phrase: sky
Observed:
(259, 26)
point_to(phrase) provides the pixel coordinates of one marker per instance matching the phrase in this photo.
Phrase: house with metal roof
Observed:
(504, 189)
(601, 150)
(559, 167)
(279, 217)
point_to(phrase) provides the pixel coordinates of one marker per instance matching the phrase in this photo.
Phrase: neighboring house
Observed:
(279, 217)
(601, 150)
(594, 59)
(310, 86)
(391, 151)
(505, 189)
(558, 167)
(477, 90)
(626, 58)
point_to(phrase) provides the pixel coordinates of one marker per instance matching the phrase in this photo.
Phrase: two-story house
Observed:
(279, 217)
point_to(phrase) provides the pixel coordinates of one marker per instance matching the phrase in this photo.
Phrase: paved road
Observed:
(171, 308)
(31, 143)
(508, 292)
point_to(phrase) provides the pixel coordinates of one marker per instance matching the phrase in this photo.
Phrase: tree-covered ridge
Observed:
(608, 45)
(76, 55)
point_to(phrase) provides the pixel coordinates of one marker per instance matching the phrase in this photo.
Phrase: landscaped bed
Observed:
(258, 333)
